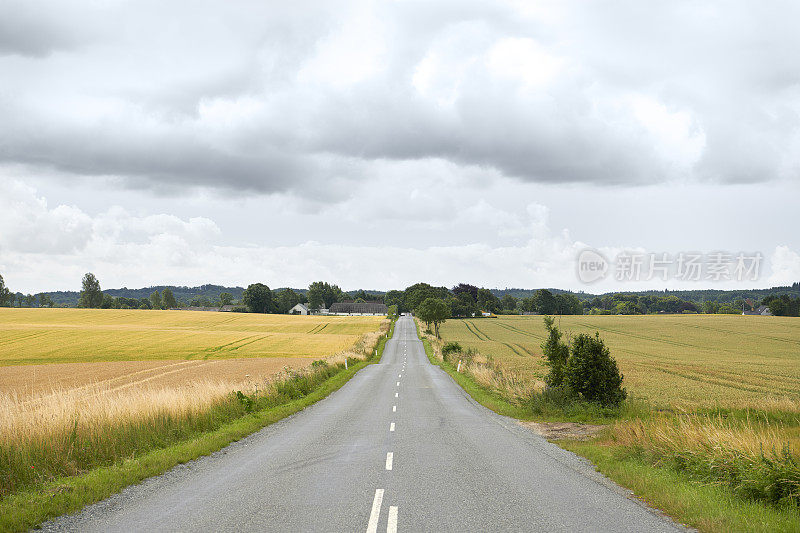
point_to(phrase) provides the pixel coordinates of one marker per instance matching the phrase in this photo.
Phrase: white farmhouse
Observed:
(298, 309)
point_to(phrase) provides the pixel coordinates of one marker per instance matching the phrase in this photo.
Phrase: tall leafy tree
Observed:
(258, 298)
(508, 302)
(545, 302)
(395, 297)
(109, 302)
(91, 295)
(433, 311)
(168, 298)
(487, 301)
(466, 288)
(322, 294)
(45, 300)
(6, 296)
(226, 298)
(155, 300)
(287, 299)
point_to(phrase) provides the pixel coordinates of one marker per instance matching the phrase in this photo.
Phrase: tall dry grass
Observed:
(754, 455)
(487, 372)
(70, 431)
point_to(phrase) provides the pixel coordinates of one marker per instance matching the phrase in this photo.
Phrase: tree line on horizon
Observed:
(461, 301)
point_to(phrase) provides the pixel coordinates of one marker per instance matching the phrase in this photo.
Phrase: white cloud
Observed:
(28, 225)
(785, 265)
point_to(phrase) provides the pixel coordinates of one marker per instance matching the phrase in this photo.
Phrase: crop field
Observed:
(29, 381)
(80, 389)
(729, 360)
(44, 336)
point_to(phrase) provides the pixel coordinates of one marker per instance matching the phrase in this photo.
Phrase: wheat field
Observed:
(100, 386)
(729, 360)
(44, 336)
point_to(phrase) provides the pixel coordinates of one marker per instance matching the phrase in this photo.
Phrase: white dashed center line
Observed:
(394, 408)
(391, 426)
(391, 527)
(398, 383)
(374, 515)
(396, 395)
(389, 459)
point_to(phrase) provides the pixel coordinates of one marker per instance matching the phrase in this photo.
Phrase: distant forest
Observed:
(697, 296)
(462, 300)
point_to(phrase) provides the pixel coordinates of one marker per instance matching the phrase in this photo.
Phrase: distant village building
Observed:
(358, 308)
(762, 310)
(299, 309)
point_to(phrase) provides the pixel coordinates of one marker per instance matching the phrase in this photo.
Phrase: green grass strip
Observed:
(708, 507)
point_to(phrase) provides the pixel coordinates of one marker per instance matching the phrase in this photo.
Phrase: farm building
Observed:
(299, 309)
(358, 308)
(762, 310)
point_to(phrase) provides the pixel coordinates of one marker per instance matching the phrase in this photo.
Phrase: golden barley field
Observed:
(729, 360)
(45, 336)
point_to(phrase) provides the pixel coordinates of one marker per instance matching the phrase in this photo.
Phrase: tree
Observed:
(258, 298)
(155, 300)
(30, 300)
(417, 293)
(322, 294)
(226, 298)
(544, 302)
(555, 352)
(466, 288)
(108, 302)
(392, 311)
(568, 304)
(361, 295)
(508, 302)
(91, 295)
(585, 370)
(45, 300)
(433, 311)
(287, 299)
(394, 297)
(169, 298)
(6, 296)
(487, 301)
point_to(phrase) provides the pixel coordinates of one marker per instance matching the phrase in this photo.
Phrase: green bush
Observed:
(450, 348)
(585, 371)
(591, 372)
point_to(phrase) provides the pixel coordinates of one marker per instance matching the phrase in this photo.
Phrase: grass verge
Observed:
(36, 500)
(706, 506)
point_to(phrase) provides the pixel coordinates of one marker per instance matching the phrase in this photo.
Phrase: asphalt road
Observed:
(400, 447)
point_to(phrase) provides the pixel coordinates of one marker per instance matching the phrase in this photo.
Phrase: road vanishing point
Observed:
(400, 447)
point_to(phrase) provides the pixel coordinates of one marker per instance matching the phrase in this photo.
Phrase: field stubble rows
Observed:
(667, 360)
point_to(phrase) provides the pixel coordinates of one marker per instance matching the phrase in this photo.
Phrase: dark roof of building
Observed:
(375, 308)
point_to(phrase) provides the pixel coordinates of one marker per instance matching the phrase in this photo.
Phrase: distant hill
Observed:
(182, 293)
(697, 295)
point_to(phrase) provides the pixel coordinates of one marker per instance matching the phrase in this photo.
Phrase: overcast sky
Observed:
(377, 144)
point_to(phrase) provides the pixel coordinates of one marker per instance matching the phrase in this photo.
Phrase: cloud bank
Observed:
(308, 98)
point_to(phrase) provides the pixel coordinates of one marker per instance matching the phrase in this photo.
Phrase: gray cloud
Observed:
(308, 99)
